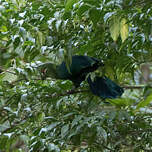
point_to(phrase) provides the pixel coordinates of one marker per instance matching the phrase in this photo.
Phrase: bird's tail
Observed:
(104, 87)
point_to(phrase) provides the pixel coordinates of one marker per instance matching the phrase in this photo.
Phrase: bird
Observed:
(79, 69)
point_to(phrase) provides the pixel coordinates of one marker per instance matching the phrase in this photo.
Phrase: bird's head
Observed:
(47, 70)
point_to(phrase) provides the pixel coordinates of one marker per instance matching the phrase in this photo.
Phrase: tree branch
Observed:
(70, 92)
(3, 70)
(140, 131)
(73, 91)
(136, 87)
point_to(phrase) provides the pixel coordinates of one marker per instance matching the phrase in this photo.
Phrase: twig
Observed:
(7, 71)
(140, 131)
(135, 87)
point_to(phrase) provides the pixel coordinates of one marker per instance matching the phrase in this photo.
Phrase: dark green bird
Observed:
(78, 70)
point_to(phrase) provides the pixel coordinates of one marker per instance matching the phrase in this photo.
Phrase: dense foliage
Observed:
(46, 115)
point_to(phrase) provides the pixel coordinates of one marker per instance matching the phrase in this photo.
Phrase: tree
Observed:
(46, 115)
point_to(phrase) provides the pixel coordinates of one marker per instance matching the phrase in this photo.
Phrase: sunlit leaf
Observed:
(3, 29)
(41, 116)
(40, 38)
(114, 26)
(124, 29)
(122, 101)
(145, 102)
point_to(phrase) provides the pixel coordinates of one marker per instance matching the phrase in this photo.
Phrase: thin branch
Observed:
(82, 91)
(140, 131)
(76, 91)
(135, 87)
(71, 91)
(7, 71)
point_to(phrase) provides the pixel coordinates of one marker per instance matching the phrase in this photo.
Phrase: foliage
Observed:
(46, 115)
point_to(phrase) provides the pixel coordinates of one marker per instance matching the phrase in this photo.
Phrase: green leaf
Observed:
(145, 102)
(4, 126)
(83, 8)
(58, 24)
(68, 59)
(16, 42)
(112, 115)
(24, 138)
(23, 32)
(76, 120)
(53, 125)
(68, 115)
(122, 101)
(114, 27)
(123, 115)
(40, 38)
(69, 4)
(95, 15)
(41, 116)
(3, 29)
(102, 133)
(64, 130)
(9, 76)
(53, 147)
(124, 29)
(28, 43)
